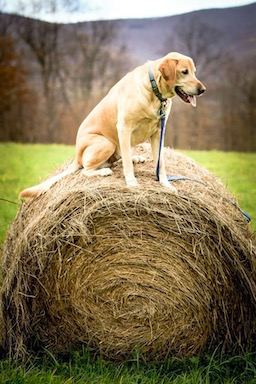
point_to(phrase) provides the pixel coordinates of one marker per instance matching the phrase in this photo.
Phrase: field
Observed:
(25, 165)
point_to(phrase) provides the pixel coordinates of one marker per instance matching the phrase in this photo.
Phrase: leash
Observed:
(178, 178)
(161, 113)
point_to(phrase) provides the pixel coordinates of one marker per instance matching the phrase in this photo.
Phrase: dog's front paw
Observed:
(136, 159)
(131, 182)
(169, 186)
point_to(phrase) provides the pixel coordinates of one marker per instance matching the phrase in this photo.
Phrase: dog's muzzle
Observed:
(191, 99)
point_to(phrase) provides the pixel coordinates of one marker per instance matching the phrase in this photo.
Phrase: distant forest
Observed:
(52, 75)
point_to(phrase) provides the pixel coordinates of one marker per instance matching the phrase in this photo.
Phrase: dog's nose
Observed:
(201, 89)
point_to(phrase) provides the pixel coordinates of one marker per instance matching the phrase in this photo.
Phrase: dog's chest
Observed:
(149, 122)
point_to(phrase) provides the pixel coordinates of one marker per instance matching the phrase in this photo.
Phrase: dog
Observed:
(129, 115)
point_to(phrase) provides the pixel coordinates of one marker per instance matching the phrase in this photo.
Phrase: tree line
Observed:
(52, 75)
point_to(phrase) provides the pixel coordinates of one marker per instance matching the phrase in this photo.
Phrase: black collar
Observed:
(155, 87)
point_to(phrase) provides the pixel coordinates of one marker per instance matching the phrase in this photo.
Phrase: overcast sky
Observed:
(115, 9)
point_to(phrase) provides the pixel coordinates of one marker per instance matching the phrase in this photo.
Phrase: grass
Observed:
(25, 165)
(82, 368)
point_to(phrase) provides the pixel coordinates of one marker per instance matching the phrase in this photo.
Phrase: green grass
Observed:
(25, 165)
(82, 368)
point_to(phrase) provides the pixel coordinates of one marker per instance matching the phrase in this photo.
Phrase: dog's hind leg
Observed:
(96, 155)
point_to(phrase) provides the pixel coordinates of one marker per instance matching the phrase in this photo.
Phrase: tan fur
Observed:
(127, 116)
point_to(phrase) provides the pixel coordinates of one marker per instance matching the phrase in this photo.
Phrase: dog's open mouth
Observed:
(185, 97)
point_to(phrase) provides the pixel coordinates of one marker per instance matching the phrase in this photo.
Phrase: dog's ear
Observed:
(168, 69)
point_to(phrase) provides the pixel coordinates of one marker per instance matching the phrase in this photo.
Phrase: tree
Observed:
(93, 63)
(43, 42)
(199, 129)
(238, 100)
(42, 39)
(198, 40)
(39, 8)
(69, 67)
(96, 55)
(13, 88)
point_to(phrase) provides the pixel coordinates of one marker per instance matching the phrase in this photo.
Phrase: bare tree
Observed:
(227, 118)
(201, 42)
(42, 39)
(14, 88)
(238, 100)
(39, 8)
(98, 62)
(194, 129)
(68, 71)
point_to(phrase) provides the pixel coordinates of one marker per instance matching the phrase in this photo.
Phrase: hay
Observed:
(93, 262)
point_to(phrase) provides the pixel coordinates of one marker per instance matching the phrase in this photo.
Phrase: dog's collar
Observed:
(155, 87)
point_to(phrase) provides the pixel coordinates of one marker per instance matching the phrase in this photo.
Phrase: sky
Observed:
(123, 9)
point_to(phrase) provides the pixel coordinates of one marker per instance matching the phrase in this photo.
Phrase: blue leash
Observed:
(161, 113)
(177, 178)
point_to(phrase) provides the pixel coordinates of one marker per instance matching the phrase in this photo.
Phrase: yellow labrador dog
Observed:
(129, 115)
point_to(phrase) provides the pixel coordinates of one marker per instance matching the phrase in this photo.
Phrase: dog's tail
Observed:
(45, 185)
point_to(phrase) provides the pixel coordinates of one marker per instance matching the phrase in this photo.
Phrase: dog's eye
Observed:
(185, 71)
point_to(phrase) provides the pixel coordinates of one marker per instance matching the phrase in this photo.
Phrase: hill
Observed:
(236, 26)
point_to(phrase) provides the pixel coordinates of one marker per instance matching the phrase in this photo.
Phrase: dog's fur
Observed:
(126, 116)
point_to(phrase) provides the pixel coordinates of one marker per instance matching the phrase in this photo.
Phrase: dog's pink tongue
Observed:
(192, 100)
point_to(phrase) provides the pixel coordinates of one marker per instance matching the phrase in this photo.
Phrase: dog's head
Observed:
(178, 72)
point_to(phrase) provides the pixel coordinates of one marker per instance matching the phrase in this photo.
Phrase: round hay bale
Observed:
(94, 262)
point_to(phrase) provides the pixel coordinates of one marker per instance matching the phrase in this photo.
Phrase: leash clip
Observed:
(161, 110)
